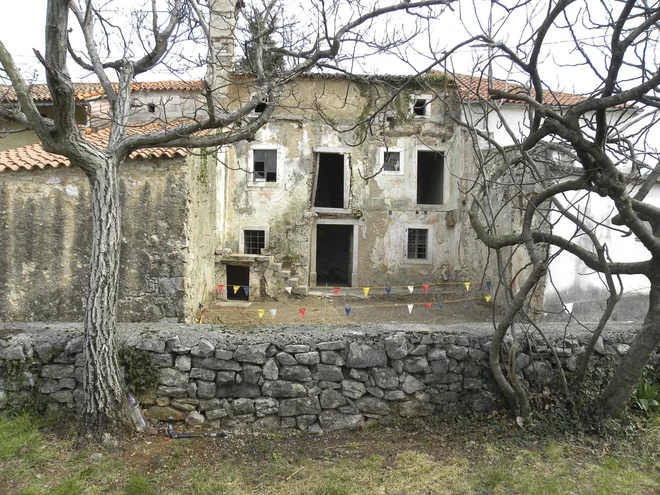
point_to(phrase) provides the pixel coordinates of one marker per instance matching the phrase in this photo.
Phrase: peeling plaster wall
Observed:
(382, 207)
(45, 230)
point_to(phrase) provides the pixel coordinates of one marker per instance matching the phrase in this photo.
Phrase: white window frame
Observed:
(381, 160)
(427, 107)
(254, 114)
(250, 165)
(241, 237)
(429, 245)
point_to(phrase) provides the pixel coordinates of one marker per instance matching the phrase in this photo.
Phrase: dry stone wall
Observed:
(315, 381)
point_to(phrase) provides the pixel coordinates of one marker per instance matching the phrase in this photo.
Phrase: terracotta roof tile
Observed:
(34, 156)
(84, 91)
(474, 87)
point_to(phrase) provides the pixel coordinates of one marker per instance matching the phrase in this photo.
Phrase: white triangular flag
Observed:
(410, 307)
(273, 312)
(411, 288)
(288, 289)
(569, 307)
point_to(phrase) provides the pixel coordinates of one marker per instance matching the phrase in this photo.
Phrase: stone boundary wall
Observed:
(317, 379)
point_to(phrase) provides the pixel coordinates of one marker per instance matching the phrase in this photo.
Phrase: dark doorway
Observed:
(334, 253)
(237, 275)
(430, 177)
(330, 181)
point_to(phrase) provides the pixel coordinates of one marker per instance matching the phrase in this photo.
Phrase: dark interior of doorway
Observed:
(330, 181)
(333, 255)
(237, 275)
(430, 171)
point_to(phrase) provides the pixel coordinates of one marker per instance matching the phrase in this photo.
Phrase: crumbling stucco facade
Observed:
(167, 240)
(330, 211)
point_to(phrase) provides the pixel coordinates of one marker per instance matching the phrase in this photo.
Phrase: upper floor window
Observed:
(254, 241)
(421, 105)
(264, 165)
(391, 161)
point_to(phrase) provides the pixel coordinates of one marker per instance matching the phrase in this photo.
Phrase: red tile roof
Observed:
(475, 87)
(34, 156)
(84, 91)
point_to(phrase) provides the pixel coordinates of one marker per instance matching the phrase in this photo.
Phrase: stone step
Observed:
(284, 274)
(301, 290)
(292, 282)
(275, 267)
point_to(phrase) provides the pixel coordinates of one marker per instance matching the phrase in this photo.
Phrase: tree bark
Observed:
(103, 407)
(627, 373)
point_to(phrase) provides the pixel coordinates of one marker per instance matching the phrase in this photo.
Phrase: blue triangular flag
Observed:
(388, 290)
(488, 285)
(440, 305)
(246, 289)
(348, 310)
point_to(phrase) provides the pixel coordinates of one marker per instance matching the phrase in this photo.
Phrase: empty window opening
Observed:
(430, 177)
(330, 181)
(151, 107)
(254, 241)
(261, 107)
(334, 254)
(417, 244)
(265, 165)
(421, 107)
(391, 161)
(237, 276)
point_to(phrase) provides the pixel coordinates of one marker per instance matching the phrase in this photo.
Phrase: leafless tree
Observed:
(161, 35)
(597, 144)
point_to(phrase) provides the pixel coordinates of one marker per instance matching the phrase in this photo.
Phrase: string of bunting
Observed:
(348, 309)
(388, 288)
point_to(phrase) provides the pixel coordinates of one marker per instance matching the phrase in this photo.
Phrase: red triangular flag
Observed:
(220, 287)
(426, 288)
(302, 312)
(336, 290)
(428, 305)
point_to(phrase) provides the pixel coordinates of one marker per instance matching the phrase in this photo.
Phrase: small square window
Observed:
(261, 107)
(417, 244)
(265, 166)
(254, 241)
(391, 161)
(421, 105)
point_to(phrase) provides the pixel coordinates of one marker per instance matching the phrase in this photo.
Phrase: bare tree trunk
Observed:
(103, 410)
(627, 373)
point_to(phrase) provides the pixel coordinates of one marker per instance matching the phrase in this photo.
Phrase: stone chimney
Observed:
(223, 23)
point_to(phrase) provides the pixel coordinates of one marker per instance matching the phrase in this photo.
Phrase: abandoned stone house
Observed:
(318, 198)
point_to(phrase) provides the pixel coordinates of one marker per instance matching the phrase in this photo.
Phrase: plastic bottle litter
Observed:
(136, 413)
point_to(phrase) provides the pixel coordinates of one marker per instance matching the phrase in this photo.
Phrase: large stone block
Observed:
(206, 390)
(243, 406)
(385, 378)
(151, 345)
(255, 354)
(353, 389)
(334, 345)
(285, 359)
(202, 374)
(160, 413)
(308, 358)
(173, 378)
(396, 346)
(57, 371)
(216, 364)
(296, 373)
(414, 408)
(298, 406)
(327, 372)
(270, 370)
(243, 389)
(279, 388)
(364, 356)
(265, 406)
(411, 385)
(332, 399)
(332, 357)
(416, 364)
(332, 420)
(251, 373)
(372, 405)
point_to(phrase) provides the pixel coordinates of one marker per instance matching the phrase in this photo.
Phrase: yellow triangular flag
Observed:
(467, 286)
(487, 298)
(261, 313)
(366, 291)
(410, 307)
(236, 287)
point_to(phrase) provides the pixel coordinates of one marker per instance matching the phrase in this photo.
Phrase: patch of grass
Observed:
(20, 438)
(139, 484)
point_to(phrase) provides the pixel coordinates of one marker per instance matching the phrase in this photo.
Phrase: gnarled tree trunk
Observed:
(627, 373)
(103, 410)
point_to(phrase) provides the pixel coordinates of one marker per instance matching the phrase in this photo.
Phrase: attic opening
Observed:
(151, 107)
(330, 181)
(261, 107)
(430, 177)
(238, 276)
(334, 245)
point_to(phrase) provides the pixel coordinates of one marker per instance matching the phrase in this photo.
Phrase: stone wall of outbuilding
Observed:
(320, 378)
